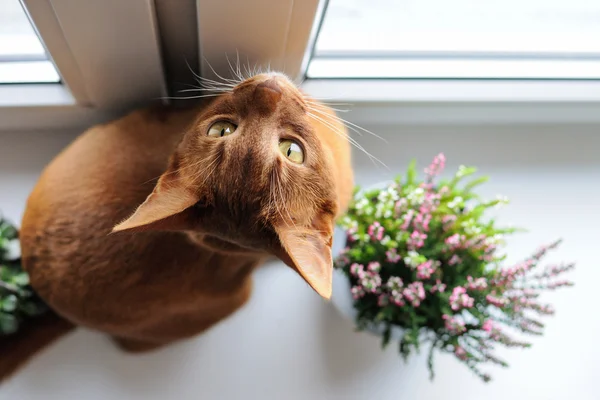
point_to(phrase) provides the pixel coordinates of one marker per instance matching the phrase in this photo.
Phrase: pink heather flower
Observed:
(357, 270)
(477, 284)
(488, 325)
(422, 221)
(371, 282)
(425, 270)
(558, 284)
(544, 249)
(460, 353)
(396, 298)
(414, 293)
(416, 240)
(392, 256)
(455, 259)
(400, 206)
(454, 324)
(374, 266)
(555, 270)
(496, 301)
(411, 297)
(430, 203)
(357, 292)
(454, 241)
(436, 167)
(407, 220)
(376, 231)
(352, 234)
(419, 289)
(383, 300)
(460, 299)
(394, 283)
(448, 220)
(438, 287)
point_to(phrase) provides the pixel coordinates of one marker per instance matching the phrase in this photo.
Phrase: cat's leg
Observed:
(135, 345)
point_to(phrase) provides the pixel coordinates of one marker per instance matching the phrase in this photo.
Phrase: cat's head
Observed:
(253, 174)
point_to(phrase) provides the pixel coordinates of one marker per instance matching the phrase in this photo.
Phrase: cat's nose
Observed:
(267, 95)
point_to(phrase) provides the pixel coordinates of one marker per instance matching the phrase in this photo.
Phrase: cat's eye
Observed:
(291, 150)
(221, 128)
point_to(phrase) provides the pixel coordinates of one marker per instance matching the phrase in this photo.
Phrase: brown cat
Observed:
(261, 170)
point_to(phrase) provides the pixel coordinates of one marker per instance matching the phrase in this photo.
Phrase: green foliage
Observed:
(18, 302)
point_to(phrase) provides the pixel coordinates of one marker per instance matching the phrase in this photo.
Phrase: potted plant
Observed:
(423, 265)
(18, 302)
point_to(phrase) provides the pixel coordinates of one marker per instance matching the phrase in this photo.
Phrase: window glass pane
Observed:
(22, 56)
(473, 26)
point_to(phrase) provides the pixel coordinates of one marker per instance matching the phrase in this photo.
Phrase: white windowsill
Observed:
(29, 107)
(395, 101)
(371, 102)
(35, 95)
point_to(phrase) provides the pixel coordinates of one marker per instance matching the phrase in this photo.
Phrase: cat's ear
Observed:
(164, 209)
(308, 251)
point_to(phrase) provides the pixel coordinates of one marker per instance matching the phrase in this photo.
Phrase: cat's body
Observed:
(152, 286)
(185, 258)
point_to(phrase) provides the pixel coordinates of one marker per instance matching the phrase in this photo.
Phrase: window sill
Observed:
(394, 101)
(34, 95)
(44, 107)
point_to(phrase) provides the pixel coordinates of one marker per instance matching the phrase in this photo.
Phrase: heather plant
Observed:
(424, 256)
(18, 302)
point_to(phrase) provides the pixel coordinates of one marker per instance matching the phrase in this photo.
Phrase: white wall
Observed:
(288, 344)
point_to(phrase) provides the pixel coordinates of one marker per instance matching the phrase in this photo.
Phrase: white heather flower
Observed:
(412, 259)
(461, 171)
(494, 240)
(387, 214)
(416, 196)
(379, 209)
(471, 228)
(386, 239)
(383, 196)
(456, 202)
(502, 200)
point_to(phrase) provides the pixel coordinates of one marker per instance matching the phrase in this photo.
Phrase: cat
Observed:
(148, 228)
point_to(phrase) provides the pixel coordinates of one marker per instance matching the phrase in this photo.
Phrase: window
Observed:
(464, 39)
(22, 55)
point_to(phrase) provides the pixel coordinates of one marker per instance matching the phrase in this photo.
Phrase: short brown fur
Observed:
(208, 211)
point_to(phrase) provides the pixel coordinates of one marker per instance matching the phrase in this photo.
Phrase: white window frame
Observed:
(103, 74)
(104, 77)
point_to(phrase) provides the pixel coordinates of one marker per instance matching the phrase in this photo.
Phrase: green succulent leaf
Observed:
(18, 301)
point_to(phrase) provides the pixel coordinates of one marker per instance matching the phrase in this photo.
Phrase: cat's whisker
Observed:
(313, 105)
(247, 68)
(214, 84)
(323, 100)
(211, 167)
(231, 68)
(238, 69)
(206, 89)
(350, 125)
(189, 97)
(351, 140)
(203, 81)
(231, 81)
(275, 182)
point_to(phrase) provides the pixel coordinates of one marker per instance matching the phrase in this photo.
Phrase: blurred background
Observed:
(510, 87)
